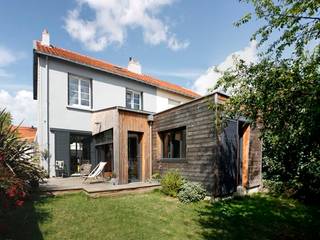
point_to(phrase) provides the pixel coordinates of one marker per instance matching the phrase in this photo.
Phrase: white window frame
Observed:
(132, 99)
(80, 79)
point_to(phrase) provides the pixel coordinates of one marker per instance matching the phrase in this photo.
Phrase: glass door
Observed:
(134, 157)
(79, 151)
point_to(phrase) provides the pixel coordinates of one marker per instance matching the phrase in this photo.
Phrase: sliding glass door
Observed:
(79, 151)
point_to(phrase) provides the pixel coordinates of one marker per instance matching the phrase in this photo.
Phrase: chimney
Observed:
(134, 65)
(45, 40)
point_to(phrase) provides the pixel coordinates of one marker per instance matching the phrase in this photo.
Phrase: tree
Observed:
(298, 23)
(283, 94)
(285, 97)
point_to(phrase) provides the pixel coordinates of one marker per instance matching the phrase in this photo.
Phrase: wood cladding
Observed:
(124, 121)
(245, 154)
(255, 158)
(133, 122)
(211, 154)
(200, 163)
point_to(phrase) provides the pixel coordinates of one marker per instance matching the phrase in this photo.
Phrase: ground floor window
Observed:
(80, 149)
(174, 143)
(104, 149)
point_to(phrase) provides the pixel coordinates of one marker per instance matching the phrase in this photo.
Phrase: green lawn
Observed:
(154, 216)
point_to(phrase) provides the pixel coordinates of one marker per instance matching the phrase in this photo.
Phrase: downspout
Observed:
(48, 133)
(150, 121)
(150, 166)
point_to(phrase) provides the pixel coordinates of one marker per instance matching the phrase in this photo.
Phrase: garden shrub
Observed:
(12, 191)
(191, 192)
(171, 183)
(155, 178)
(18, 171)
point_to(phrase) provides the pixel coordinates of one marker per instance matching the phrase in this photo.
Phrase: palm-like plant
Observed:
(15, 154)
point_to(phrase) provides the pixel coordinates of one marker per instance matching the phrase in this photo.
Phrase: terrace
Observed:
(75, 184)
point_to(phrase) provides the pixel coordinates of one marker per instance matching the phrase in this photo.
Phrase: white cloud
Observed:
(21, 106)
(209, 79)
(6, 56)
(113, 18)
(176, 45)
(4, 74)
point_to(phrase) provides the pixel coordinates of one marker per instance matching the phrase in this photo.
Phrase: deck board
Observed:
(90, 187)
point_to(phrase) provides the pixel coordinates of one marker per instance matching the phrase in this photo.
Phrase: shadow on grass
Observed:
(259, 217)
(23, 223)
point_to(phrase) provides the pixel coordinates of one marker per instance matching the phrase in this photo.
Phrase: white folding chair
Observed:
(96, 172)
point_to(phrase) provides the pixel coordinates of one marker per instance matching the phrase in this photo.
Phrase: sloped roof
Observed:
(111, 68)
(27, 133)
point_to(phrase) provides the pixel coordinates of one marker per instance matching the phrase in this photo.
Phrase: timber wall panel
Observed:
(210, 159)
(200, 161)
(255, 156)
(245, 156)
(133, 122)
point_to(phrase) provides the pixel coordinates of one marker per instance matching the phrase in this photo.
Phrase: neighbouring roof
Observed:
(111, 68)
(27, 133)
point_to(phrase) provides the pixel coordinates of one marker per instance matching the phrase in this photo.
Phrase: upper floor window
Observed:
(133, 100)
(174, 143)
(79, 91)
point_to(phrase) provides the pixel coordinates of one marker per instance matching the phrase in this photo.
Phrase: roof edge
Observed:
(194, 100)
(36, 51)
(119, 108)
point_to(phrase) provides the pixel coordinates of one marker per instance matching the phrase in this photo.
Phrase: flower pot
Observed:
(114, 181)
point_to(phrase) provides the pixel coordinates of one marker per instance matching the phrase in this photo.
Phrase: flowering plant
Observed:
(18, 171)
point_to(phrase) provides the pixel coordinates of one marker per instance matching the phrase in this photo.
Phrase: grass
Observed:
(155, 216)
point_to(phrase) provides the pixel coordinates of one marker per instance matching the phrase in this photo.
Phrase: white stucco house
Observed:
(72, 90)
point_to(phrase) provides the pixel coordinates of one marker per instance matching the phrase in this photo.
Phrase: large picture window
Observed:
(174, 143)
(79, 92)
(133, 100)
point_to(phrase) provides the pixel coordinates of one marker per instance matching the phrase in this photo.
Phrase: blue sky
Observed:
(174, 40)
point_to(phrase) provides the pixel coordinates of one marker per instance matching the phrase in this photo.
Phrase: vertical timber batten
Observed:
(124, 121)
(134, 122)
(245, 155)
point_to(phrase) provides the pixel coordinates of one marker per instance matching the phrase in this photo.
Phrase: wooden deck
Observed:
(93, 188)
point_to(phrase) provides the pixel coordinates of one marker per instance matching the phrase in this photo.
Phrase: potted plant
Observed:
(114, 180)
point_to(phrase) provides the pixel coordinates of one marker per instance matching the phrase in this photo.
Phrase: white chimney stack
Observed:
(45, 39)
(134, 66)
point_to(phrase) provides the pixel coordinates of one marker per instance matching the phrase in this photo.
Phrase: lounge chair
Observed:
(96, 172)
(85, 169)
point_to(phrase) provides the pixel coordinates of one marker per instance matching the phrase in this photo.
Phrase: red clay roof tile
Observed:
(96, 63)
(27, 133)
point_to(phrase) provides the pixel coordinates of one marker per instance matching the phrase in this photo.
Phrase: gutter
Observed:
(35, 76)
(150, 121)
(48, 129)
